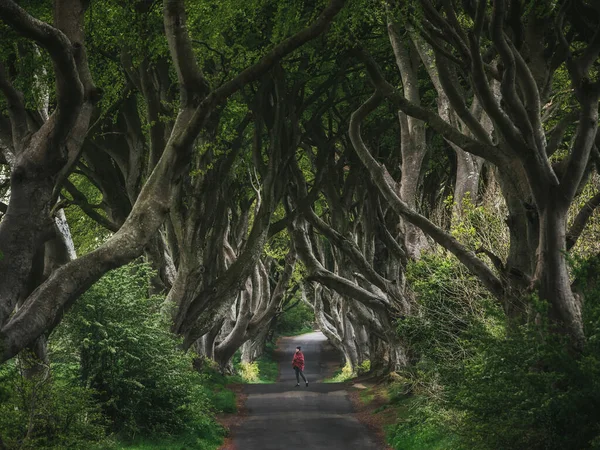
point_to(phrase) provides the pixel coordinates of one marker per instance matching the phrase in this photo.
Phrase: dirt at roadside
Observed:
(230, 421)
(369, 399)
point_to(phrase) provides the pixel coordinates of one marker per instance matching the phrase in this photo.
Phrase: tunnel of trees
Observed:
(421, 175)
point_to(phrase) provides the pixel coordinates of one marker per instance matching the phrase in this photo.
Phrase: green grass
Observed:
(167, 443)
(223, 400)
(268, 369)
(415, 431)
(345, 373)
(366, 396)
(425, 437)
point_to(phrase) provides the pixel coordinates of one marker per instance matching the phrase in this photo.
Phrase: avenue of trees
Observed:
(422, 175)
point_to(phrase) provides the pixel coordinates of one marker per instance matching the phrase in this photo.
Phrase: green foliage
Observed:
(420, 431)
(588, 243)
(262, 371)
(38, 412)
(184, 442)
(249, 372)
(87, 234)
(115, 368)
(452, 308)
(527, 391)
(215, 383)
(480, 226)
(479, 384)
(129, 357)
(267, 366)
(296, 320)
(364, 367)
(342, 375)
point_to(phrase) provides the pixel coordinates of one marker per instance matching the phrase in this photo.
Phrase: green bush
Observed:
(528, 391)
(115, 368)
(482, 387)
(44, 412)
(214, 383)
(364, 367)
(452, 310)
(248, 371)
(341, 375)
(268, 367)
(120, 337)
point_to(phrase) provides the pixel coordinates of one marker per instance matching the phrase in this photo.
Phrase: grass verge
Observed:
(391, 413)
(189, 442)
(345, 373)
(264, 370)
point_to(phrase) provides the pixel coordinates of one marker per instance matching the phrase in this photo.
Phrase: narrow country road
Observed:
(282, 416)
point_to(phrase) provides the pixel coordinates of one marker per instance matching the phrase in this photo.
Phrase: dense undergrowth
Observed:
(476, 382)
(116, 379)
(479, 385)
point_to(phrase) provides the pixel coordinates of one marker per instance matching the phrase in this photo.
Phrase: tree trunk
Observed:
(553, 273)
(254, 348)
(362, 343)
(468, 169)
(524, 228)
(348, 342)
(377, 354)
(412, 138)
(24, 228)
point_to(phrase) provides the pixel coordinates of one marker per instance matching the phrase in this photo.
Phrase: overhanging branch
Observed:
(453, 135)
(581, 220)
(70, 88)
(386, 185)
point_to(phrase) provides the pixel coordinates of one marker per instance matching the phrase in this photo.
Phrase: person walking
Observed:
(298, 365)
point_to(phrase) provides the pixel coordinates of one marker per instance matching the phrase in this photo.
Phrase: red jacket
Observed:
(298, 360)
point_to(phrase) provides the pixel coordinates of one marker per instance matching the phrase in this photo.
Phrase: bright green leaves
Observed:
(120, 337)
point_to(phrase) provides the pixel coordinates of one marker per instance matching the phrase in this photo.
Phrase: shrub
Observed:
(120, 337)
(342, 375)
(264, 370)
(481, 386)
(45, 412)
(527, 390)
(249, 372)
(364, 367)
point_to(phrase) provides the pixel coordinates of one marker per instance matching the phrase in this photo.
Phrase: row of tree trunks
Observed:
(538, 194)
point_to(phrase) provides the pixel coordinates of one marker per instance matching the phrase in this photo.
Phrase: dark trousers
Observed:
(299, 374)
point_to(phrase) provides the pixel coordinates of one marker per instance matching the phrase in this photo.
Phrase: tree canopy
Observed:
(332, 154)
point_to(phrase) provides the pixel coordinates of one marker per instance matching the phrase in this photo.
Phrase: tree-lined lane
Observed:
(282, 416)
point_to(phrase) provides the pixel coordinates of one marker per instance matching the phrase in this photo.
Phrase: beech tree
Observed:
(45, 154)
(521, 49)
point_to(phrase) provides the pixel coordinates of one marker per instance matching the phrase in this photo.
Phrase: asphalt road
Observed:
(318, 417)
